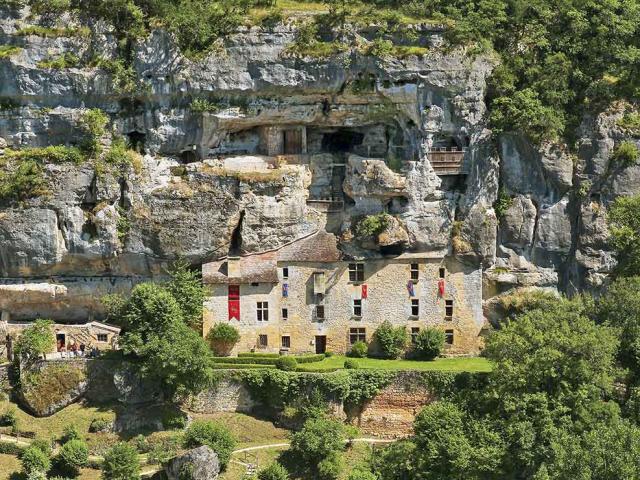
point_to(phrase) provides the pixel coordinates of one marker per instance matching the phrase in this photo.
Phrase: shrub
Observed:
(318, 444)
(9, 418)
(35, 340)
(121, 463)
(26, 181)
(67, 60)
(626, 154)
(391, 340)
(502, 203)
(350, 364)
(429, 343)
(275, 471)
(50, 154)
(44, 445)
(287, 363)
(212, 434)
(69, 432)
(330, 467)
(373, 224)
(328, 354)
(361, 474)
(7, 51)
(73, 455)
(222, 337)
(33, 459)
(99, 425)
(122, 158)
(358, 350)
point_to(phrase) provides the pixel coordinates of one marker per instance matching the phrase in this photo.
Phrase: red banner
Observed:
(364, 292)
(234, 302)
(441, 287)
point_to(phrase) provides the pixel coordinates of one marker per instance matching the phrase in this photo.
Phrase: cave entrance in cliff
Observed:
(341, 141)
(235, 245)
(189, 156)
(136, 141)
(61, 341)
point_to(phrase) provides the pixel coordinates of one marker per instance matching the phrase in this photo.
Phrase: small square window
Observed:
(414, 334)
(286, 341)
(262, 311)
(255, 284)
(285, 314)
(320, 312)
(443, 272)
(285, 272)
(102, 337)
(415, 272)
(448, 337)
(263, 341)
(356, 272)
(448, 309)
(357, 335)
(415, 307)
(357, 307)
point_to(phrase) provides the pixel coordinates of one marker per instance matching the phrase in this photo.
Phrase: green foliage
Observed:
(630, 122)
(619, 308)
(502, 203)
(72, 456)
(50, 385)
(33, 459)
(53, 32)
(51, 154)
(429, 343)
(186, 287)
(124, 76)
(121, 463)
(100, 425)
(358, 350)
(94, 123)
(396, 462)
(287, 363)
(44, 7)
(155, 333)
(214, 435)
(122, 158)
(361, 474)
(274, 471)
(390, 340)
(624, 227)
(7, 51)
(123, 225)
(381, 48)
(66, 60)
(201, 105)
(35, 340)
(350, 364)
(373, 224)
(317, 446)
(70, 432)
(9, 418)
(625, 154)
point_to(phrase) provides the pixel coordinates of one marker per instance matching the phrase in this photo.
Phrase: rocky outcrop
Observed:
(210, 174)
(198, 464)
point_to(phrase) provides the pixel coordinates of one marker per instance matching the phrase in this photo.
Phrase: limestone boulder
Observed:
(198, 464)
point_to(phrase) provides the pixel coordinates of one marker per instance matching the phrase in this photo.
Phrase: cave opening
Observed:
(394, 249)
(136, 141)
(189, 156)
(341, 141)
(235, 246)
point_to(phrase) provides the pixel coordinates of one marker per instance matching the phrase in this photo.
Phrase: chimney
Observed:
(233, 267)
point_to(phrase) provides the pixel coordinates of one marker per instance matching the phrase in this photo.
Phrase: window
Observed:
(448, 337)
(448, 309)
(102, 337)
(286, 341)
(263, 341)
(320, 312)
(255, 284)
(414, 334)
(285, 314)
(357, 335)
(415, 271)
(442, 272)
(262, 311)
(357, 307)
(356, 272)
(415, 307)
(285, 272)
(318, 283)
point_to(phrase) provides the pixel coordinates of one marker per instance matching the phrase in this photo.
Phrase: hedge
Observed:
(228, 366)
(259, 360)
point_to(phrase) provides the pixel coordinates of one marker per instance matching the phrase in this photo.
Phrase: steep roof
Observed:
(263, 267)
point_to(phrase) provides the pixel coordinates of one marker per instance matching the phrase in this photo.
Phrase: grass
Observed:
(7, 51)
(249, 431)
(461, 364)
(54, 32)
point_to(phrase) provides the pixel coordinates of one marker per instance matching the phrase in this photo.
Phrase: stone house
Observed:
(92, 334)
(306, 297)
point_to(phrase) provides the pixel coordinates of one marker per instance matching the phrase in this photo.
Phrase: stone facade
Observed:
(318, 303)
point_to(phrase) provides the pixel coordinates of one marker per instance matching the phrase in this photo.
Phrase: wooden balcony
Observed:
(447, 161)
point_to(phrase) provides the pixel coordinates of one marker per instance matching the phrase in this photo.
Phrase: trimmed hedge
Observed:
(264, 360)
(240, 366)
(259, 355)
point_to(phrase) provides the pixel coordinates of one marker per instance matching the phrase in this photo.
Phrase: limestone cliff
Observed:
(211, 179)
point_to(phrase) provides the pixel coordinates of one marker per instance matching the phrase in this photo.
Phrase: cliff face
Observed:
(204, 183)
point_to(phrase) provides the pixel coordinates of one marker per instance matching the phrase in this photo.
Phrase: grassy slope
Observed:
(248, 430)
(463, 364)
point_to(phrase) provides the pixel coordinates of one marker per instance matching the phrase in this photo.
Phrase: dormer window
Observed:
(356, 272)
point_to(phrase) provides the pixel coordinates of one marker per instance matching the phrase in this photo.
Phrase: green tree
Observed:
(222, 337)
(390, 340)
(35, 340)
(155, 333)
(214, 435)
(624, 227)
(33, 460)
(429, 343)
(320, 440)
(186, 287)
(121, 463)
(72, 456)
